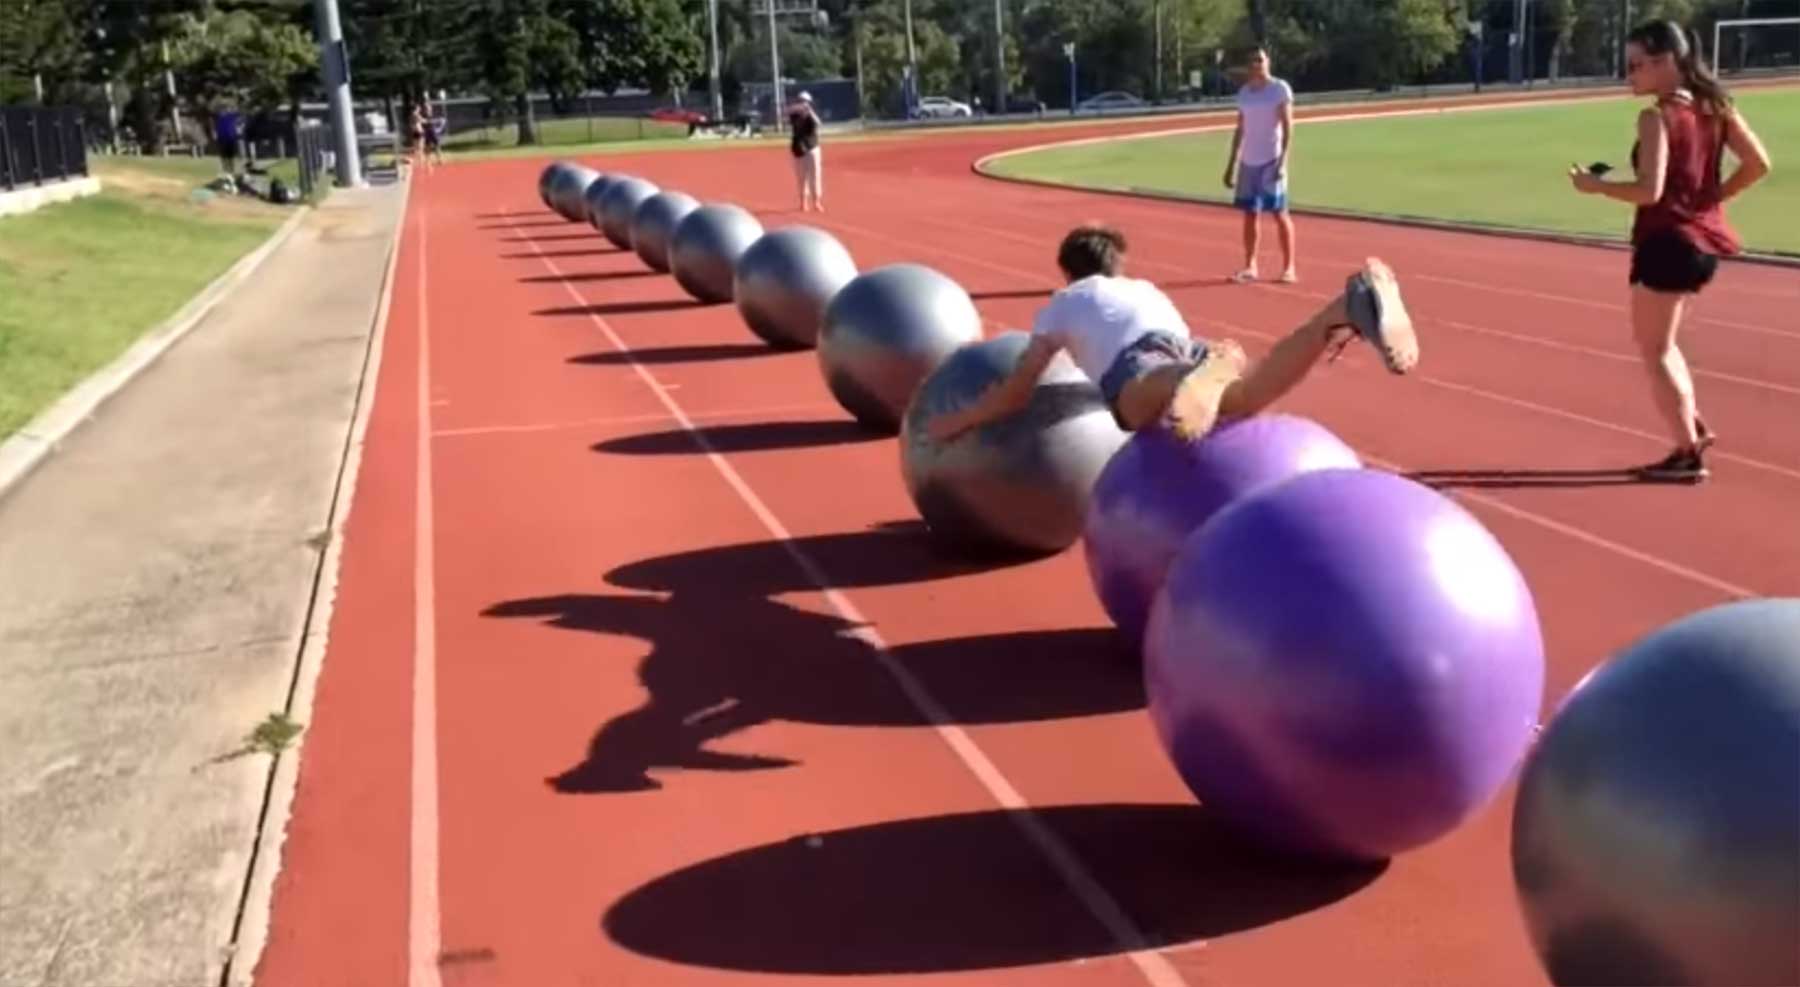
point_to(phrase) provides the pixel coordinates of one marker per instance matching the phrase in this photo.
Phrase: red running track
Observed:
(641, 673)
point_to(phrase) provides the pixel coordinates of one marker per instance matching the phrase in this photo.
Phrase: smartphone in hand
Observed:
(1599, 168)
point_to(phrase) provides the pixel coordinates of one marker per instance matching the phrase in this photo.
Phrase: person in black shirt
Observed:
(803, 123)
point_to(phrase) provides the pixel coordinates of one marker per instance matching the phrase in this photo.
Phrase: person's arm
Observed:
(1753, 159)
(1002, 399)
(1237, 138)
(1287, 133)
(1652, 167)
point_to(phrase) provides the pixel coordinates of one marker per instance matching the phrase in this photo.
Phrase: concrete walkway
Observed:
(155, 580)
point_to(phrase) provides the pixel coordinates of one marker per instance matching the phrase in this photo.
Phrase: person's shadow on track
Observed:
(726, 655)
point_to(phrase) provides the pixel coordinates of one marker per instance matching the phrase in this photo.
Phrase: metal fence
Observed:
(40, 144)
(311, 143)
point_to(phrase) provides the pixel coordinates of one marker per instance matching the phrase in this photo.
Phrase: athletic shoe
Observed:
(1680, 466)
(1372, 302)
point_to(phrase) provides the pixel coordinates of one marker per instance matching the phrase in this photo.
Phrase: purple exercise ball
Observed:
(1159, 489)
(1344, 665)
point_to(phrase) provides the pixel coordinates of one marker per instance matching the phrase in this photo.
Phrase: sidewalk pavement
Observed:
(155, 578)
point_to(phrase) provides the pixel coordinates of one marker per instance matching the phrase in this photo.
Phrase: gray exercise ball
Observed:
(592, 198)
(547, 180)
(567, 193)
(1019, 485)
(619, 204)
(886, 331)
(785, 279)
(704, 251)
(654, 223)
(1656, 835)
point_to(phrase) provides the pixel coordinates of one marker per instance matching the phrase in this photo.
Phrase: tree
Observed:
(43, 42)
(649, 43)
(520, 47)
(239, 58)
(804, 55)
(884, 56)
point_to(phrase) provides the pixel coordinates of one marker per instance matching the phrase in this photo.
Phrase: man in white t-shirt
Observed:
(1257, 167)
(1127, 336)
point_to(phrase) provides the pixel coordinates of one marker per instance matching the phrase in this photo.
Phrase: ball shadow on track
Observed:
(619, 308)
(536, 254)
(751, 437)
(552, 237)
(1519, 479)
(543, 224)
(575, 278)
(724, 655)
(967, 892)
(651, 356)
(1011, 293)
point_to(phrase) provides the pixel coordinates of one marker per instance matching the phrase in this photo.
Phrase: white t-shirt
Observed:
(1097, 317)
(1262, 120)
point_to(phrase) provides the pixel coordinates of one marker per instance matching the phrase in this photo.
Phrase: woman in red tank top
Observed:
(1680, 231)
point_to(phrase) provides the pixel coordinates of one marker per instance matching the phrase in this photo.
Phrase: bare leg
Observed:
(1283, 368)
(1187, 396)
(1284, 223)
(800, 180)
(1252, 241)
(1655, 318)
(816, 176)
(1295, 355)
(1195, 398)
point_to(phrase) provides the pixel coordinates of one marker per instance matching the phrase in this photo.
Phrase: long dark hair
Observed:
(1668, 37)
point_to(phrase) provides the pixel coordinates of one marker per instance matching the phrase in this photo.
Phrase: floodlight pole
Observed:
(775, 67)
(712, 28)
(912, 61)
(335, 69)
(1000, 86)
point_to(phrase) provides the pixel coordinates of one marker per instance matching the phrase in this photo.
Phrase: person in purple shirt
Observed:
(228, 134)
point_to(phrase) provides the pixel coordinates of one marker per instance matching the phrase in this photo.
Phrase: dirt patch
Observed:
(185, 194)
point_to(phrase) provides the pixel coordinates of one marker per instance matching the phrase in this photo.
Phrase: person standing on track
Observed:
(1258, 164)
(809, 171)
(1679, 231)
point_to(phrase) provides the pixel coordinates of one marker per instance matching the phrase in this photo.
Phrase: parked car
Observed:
(1112, 100)
(943, 106)
(678, 114)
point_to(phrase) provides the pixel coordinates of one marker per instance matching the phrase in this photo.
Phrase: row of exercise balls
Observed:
(1361, 601)
(1344, 663)
(1340, 662)
(884, 340)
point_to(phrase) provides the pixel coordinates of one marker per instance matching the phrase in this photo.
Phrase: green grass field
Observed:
(82, 280)
(566, 133)
(1501, 167)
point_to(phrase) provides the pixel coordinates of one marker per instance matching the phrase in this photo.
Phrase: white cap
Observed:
(806, 96)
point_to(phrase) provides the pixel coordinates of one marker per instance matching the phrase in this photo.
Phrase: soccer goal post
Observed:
(1758, 43)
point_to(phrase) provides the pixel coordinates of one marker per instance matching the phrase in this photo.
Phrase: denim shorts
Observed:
(1147, 353)
(1258, 188)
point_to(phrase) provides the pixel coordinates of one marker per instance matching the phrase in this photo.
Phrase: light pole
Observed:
(712, 30)
(1000, 86)
(1069, 53)
(334, 66)
(774, 68)
(912, 63)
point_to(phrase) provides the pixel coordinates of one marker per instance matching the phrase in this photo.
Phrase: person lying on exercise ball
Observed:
(1126, 335)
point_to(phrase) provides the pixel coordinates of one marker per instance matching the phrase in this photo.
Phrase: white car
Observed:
(943, 106)
(1112, 100)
